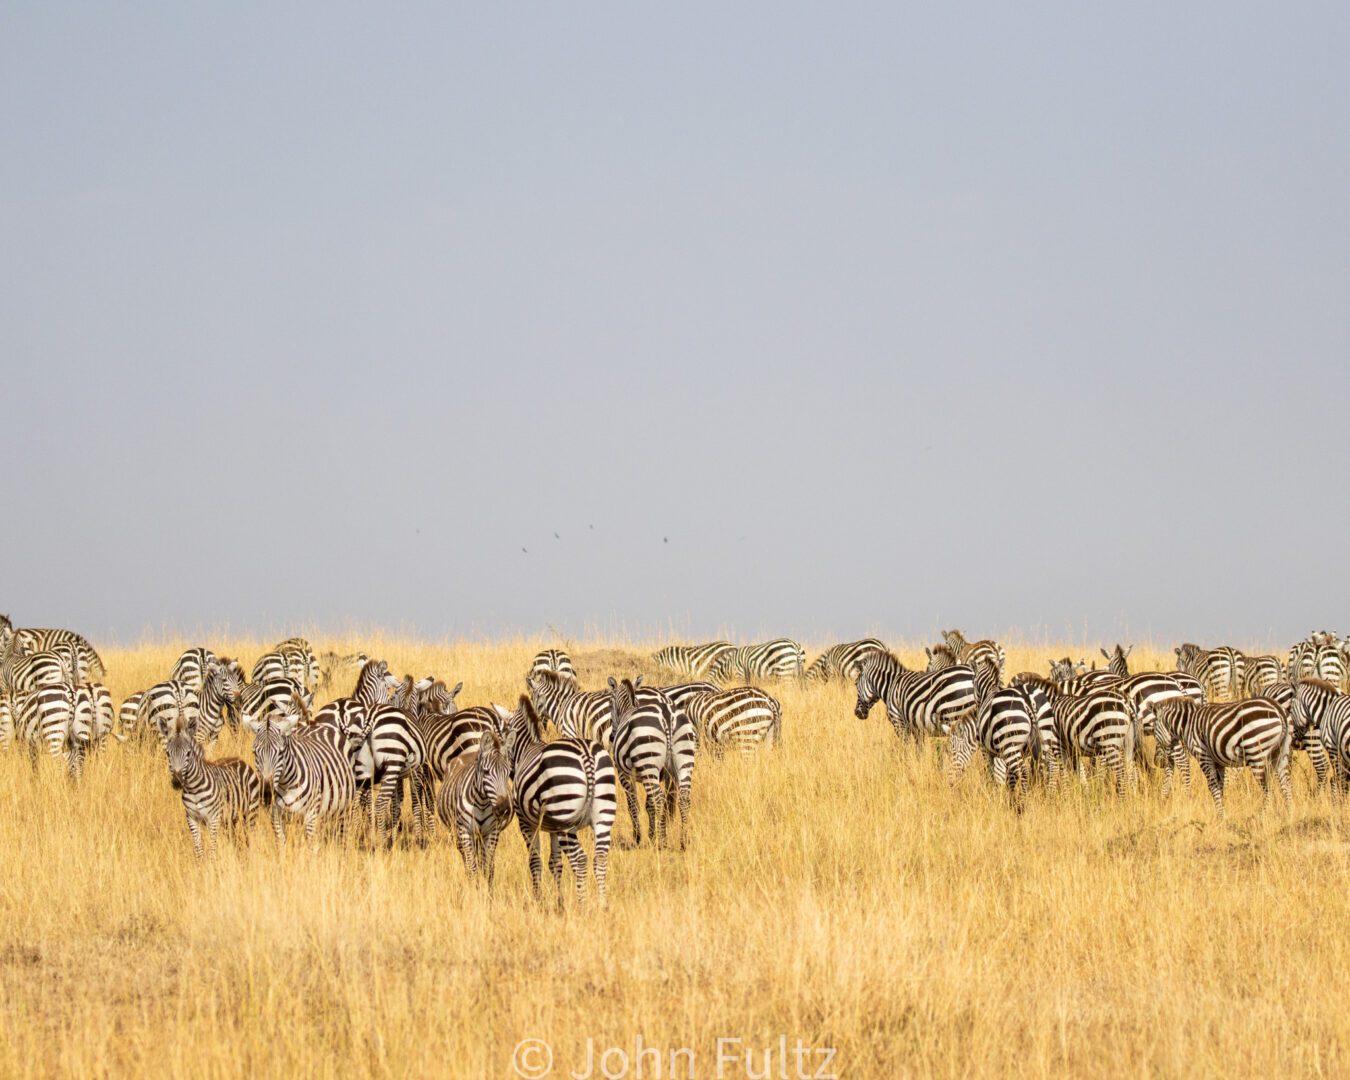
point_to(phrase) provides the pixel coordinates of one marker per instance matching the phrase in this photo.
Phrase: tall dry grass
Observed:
(836, 892)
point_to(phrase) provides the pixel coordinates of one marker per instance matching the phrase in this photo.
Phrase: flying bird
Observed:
(526, 550)
(556, 536)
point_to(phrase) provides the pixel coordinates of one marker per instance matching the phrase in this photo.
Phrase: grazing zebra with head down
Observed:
(742, 718)
(779, 658)
(693, 661)
(917, 702)
(61, 718)
(553, 660)
(1007, 729)
(1318, 713)
(578, 714)
(1095, 723)
(654, 747)
(560, 787)
(30, 640)
(1253, 733)
(308, 775)
(474, 803)
(970, 652)
(226, 791)
(841, 661)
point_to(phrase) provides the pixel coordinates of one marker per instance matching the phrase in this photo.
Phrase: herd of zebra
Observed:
(557, 760)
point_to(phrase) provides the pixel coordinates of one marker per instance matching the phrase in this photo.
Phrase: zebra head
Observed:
(962, 747)
(520, 729)
(871, 676)
(1168, 719)
(183, 751)
(271, 738)
(492, 773)
(1064, 668)
(622, 697)
(436, 700)
(1116, 660)
(372, 684)
(940, 657)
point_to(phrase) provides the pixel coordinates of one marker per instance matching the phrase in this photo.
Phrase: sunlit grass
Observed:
(837, 891)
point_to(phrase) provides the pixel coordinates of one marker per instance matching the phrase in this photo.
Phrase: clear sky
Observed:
(785, 318)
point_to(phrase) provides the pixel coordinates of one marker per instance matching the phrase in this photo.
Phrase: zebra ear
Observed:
(425, 685)
(455, 692)
(1129, 650)
(637, 682)
(503, 713)
(1105, 653)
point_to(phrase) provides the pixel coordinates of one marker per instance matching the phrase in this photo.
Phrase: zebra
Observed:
(560, 788)
(309, 776)
(274, 665)
(1253, 733)
(1095, 723)
(438, 700)
(194, 666)
(105, 718)
(578, 714)
(385, 748)
(653, 745)
(693, 661)
(129, 715)
(474, 803)
(373, 683)
(553, 660)
(940, 657)
(299, 655)
(220, 696)
(46, 668)
(842, 660)
(449, 737)
(214, 792)
(779, 658)
(61, 718)
(1221, 670)
(988, 678)
(742, 718)
(30, 640)
(1330, 666)
(1144, 692)
(917, 702)
(1065, 668)
(1083, 681)
(1261, 672)
(165, 705)
(968, 652)
(1006, 728)
(259, 699)
(1117, 661)
(1315, 709)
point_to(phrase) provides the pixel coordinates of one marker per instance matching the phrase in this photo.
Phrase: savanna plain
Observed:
(837, 893)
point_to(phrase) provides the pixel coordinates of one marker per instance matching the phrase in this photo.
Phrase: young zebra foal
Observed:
(474, 803)
(226, 791)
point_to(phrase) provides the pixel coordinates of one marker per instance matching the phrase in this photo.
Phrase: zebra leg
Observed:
(1214, 778)
(555, 861)
(630, 796)
(196, 831)
(490, 853)
(1117, 763)
(278, 826)
(656, 819)
(1321, 763)
(213, 827)
(686, 804)
(467, 850)
(386, 807)
(311, 825)
(576, 855)
(602, 839)
(536, 863)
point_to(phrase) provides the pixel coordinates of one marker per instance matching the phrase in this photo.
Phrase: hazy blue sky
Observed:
(1005, 316)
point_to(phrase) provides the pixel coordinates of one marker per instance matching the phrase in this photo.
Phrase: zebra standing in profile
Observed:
(917, 702)
(777, 659)
(1253, 733)
(841, 661)
(1006, 728)
(560, 787)
(474, 803)
(693, 661)
(31, 640)
(1318, 714)
(578, 714)
(742, 718)
(309, 776)
(553, 660)
(61, 718)
(654, 747)
(226, 791)
(1096, 723)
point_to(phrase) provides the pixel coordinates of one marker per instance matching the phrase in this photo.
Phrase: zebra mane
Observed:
(1321, 684)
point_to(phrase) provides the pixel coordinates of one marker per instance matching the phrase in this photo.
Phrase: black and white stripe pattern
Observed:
(1117, 661)
(167, 706)
(31, 640)
(553, 660)
(577, 714)
(474, 803)
(917, 703)
(310, 777)
(1261, 672)
(193, 667)
(1221, 671)
(60, 719)
(448, 737)
(1315, 708)
(1254, 733)
(780, 658)
(971, 652)
(693, 661)
(650, 753)
(742, 718)
(560, 788)
(1095, 724)
(841, 661)
(1006, 730)
(225, 792)
(386, 749)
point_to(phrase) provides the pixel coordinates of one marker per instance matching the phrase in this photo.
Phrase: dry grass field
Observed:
(836, 892)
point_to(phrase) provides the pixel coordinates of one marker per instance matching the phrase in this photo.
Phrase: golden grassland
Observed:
(837, 892)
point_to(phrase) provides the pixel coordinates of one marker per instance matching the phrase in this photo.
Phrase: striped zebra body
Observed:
(776, 659)
(974, 652)
(988, 679)
(1145, 692)
(1254, 733)
(917, 702)
(1330, 666)
(693, 661)
(742, 718)
(220, 695)
(60, 719)
(1311, 702)
(194, 666)
(308, 775)
(105, 717)
(448, 737)
(373, 683)
(841, 661)
(226, 791)
(560, 788)
(300, 655)
(129, 715)
(385, 750)
(650, 752)
(167, 705)
(1006, 729)
(474, 803)
(1261, 672)
(578, 714)
(553, 660)
(31, 640)
(1097, 723)
(26, 673)
(1085, 681)
(275, 666)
